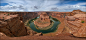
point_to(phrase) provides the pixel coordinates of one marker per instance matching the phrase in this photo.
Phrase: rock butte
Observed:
(43, 21)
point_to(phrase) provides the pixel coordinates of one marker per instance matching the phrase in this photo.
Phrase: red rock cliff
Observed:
(12, 25)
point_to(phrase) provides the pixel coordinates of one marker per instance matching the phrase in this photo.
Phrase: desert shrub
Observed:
(82, 21)
(8, 14)
(3, 17)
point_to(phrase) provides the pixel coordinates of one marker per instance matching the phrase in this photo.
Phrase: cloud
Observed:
(76, 6)
(40, 5)
(29, 5)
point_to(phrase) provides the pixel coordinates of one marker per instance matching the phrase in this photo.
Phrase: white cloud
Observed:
(84, 3)
(11, 10)
(39, 5)
(68, 7)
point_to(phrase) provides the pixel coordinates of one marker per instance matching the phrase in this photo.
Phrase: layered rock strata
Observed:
(75, 24)
(12, 25)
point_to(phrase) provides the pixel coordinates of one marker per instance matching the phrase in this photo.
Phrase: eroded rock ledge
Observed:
(76, 24)
(12, 25)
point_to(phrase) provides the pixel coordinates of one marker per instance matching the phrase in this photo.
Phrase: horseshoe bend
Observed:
(43, 25)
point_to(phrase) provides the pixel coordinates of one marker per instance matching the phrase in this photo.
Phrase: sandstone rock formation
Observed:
(12, 25)
(24, 15)
(43, 21)
(73, 23)
(76, 27)
(44, 17)
(81, 16)
(81, 32)
(70, 18)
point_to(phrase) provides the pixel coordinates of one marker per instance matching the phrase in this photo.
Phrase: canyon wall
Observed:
(12, 25)
(30, 15)
(24, 15)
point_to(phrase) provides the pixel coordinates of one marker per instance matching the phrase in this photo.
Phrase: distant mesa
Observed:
(77, 10)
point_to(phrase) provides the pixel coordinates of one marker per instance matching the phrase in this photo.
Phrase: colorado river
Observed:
(52, 29)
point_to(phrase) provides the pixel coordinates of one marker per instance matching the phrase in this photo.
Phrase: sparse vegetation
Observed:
(3, 17)
(8, 14)
(55, 19)
(82, 21)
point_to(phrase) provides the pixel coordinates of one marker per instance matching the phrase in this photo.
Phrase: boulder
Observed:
(38, 34)
(2, 34)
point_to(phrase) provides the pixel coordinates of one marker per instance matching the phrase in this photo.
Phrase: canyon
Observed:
(12, 24)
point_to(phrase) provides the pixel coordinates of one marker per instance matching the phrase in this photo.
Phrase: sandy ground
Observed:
(59, 37)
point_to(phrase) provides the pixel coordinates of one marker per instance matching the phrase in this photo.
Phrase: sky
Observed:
(42, 5)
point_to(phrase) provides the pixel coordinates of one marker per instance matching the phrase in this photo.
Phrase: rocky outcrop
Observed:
(81, 32)
(81, 17)
(12, 25)
(76, 27)
(70, 18)
(2, 34)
